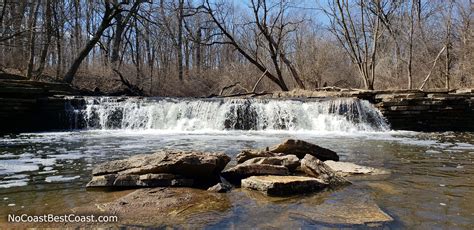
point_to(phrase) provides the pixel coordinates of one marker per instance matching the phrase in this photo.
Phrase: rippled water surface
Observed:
(430, 186)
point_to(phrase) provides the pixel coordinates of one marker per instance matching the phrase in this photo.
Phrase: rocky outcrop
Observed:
(428, 111)
(349, 169)
(289, 161)
(239, 172)
(278, 154)
(316, 168)
(166, 168)
(273, 172)
(28, 106)
(281, 159)
(283, 185)
(301, 148)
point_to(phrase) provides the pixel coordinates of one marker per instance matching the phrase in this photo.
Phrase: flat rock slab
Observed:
(348, 169)
(301, 148)
(344, 208)
(247, 154)
(289, 161)
(239, 172)
(283, 185)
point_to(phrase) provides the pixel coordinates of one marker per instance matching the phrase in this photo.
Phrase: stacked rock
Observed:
(292, 167)
(161, 169)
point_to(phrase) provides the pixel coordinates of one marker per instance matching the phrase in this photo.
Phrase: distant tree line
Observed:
(199, 47)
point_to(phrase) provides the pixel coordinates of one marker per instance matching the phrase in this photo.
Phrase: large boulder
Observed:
(239, 172)
(316, 168)
(166, 168)
(283, 185)
(349, 169)
(289, 161)
(190, 164)
(251, 153)
(301, 148)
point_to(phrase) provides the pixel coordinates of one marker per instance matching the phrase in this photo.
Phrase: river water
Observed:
(431, 184)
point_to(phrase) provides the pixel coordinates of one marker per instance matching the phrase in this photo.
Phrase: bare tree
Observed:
(47, 40)
(197, 47)
(110, 12)
(358, 33)
(33, 18)
(270, 29)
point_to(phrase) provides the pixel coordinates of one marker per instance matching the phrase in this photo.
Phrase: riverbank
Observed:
(29, 106)
(415, 110)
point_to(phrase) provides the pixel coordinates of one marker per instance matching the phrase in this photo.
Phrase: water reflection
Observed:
(430, 185)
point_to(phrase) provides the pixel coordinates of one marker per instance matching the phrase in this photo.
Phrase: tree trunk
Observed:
(198, 51)
(180, 39)
(109, 14)
(47, 40)
(447, 64)
(58, 40)
(249, 58)
(34, 15)
(410, 45)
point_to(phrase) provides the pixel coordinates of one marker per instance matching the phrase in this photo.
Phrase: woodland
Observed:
(204, 47)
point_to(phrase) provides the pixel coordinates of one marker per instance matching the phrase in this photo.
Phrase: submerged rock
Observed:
(347, 169)
(220, 188)
(301, 148)
(249, 154)
(195, 208)
(239, 172)
(146, 180)
(316, 168)
(283, 185)
(343, 208)
(192, 164)
(289, 161)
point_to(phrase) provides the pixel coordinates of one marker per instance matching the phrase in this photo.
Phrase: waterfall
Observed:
(342, 114)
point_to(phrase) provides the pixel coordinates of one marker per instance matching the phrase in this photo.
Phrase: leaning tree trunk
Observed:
(108, 16)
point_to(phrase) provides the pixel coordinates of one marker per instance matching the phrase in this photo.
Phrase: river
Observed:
(430, 185)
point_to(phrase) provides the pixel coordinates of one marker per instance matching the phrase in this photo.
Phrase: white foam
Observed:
(15, 166)
(60, 178)
(48, 172)
(172, 115)
(13, 183)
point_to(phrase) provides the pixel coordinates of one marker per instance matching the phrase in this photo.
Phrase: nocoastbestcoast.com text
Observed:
(67, 218)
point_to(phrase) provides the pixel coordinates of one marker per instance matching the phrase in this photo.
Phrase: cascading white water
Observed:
(343, 114)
